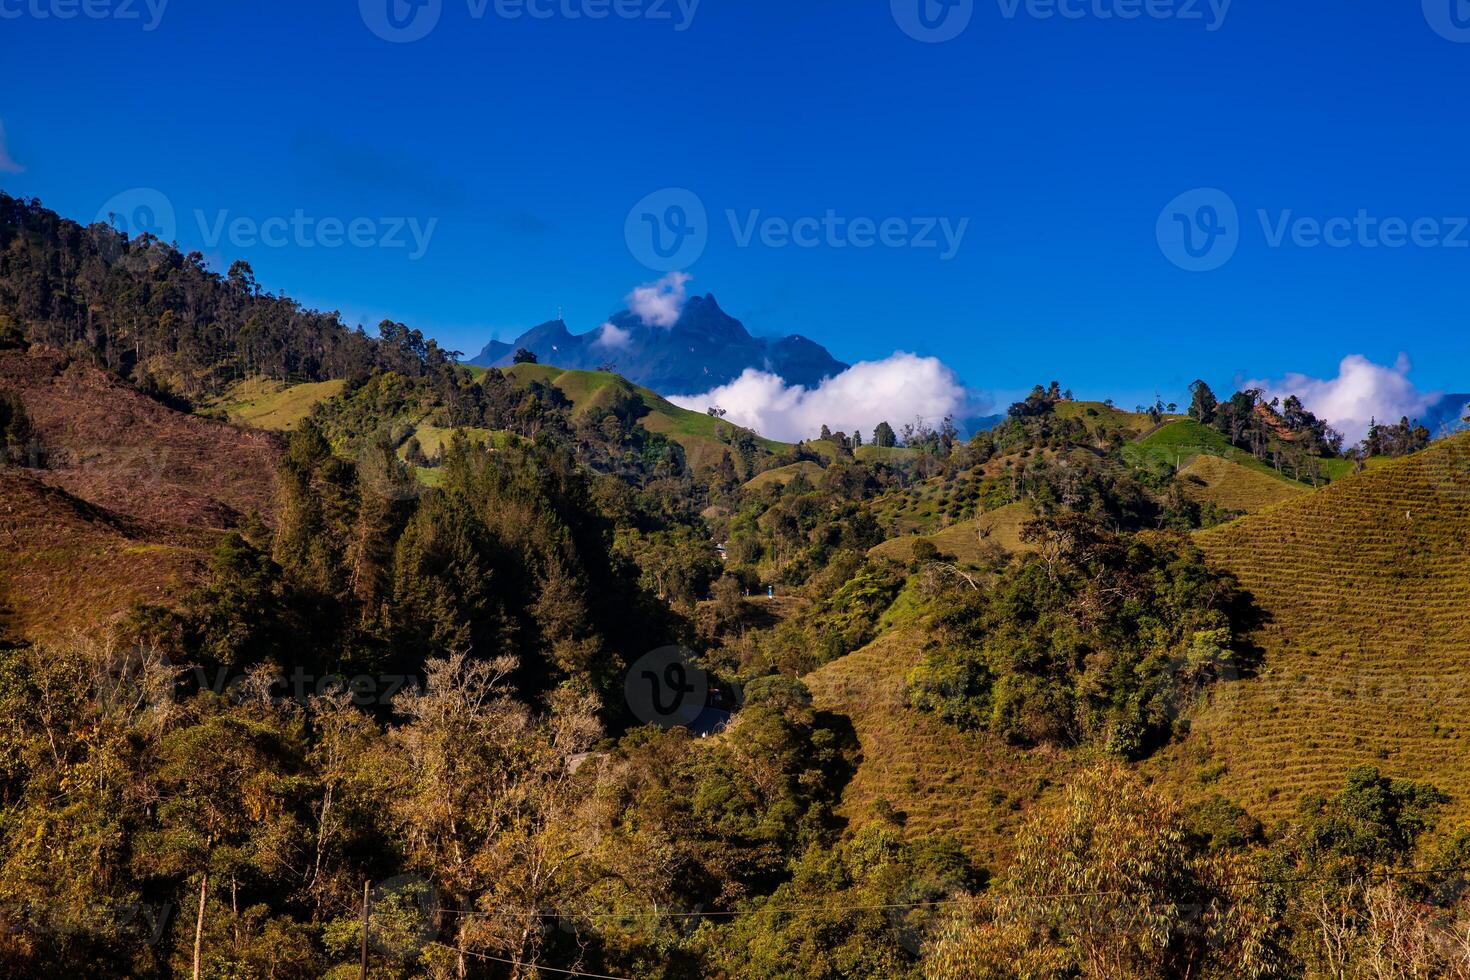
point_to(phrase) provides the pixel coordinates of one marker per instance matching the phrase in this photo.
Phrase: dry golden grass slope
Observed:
(66, 565)
(783, 475)
(132, 497)
(971, 786)
(1367, 651)
(109, 445)
(965, 540)
(1227, 484)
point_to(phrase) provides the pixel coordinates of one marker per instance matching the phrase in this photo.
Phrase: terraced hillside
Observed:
(1227, 484)
(971, 786)
(1366, 657)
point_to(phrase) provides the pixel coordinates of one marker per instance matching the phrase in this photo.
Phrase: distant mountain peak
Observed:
(705, 348)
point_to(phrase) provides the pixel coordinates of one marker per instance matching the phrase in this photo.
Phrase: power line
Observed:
(549, 969)
(890, 906)
(793, 910)
(796, 910)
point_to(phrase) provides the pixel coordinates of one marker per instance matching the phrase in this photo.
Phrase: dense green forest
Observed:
(412, 694)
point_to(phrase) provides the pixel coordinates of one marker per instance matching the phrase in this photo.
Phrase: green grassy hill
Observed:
(1366, 654)
(432, 438)
(886, 454)
(827, 449)
(696, 432)
(1102, 419)
(783, 475)
(964, 541)
(264, 404)
(1180, 441)
(1365, 586)
(1232, 486)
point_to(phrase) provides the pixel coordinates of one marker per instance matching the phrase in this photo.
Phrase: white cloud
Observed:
(658, 304)
(612, 336)
(7, 165)
(1362, 391)
(895, 390)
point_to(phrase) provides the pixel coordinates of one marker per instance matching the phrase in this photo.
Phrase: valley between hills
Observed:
(1084, 692)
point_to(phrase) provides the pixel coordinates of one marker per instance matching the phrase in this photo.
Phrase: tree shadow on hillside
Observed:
(1249, 618)
(845, 756)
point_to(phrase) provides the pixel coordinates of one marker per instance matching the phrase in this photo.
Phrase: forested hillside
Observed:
(142, 308)
(316, 644)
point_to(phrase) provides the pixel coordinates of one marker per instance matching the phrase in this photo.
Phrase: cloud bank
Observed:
(612, 337)
(895, 390)
(1362, 391)
(659, 304)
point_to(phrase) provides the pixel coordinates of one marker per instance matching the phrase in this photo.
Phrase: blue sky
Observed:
(523, 143)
